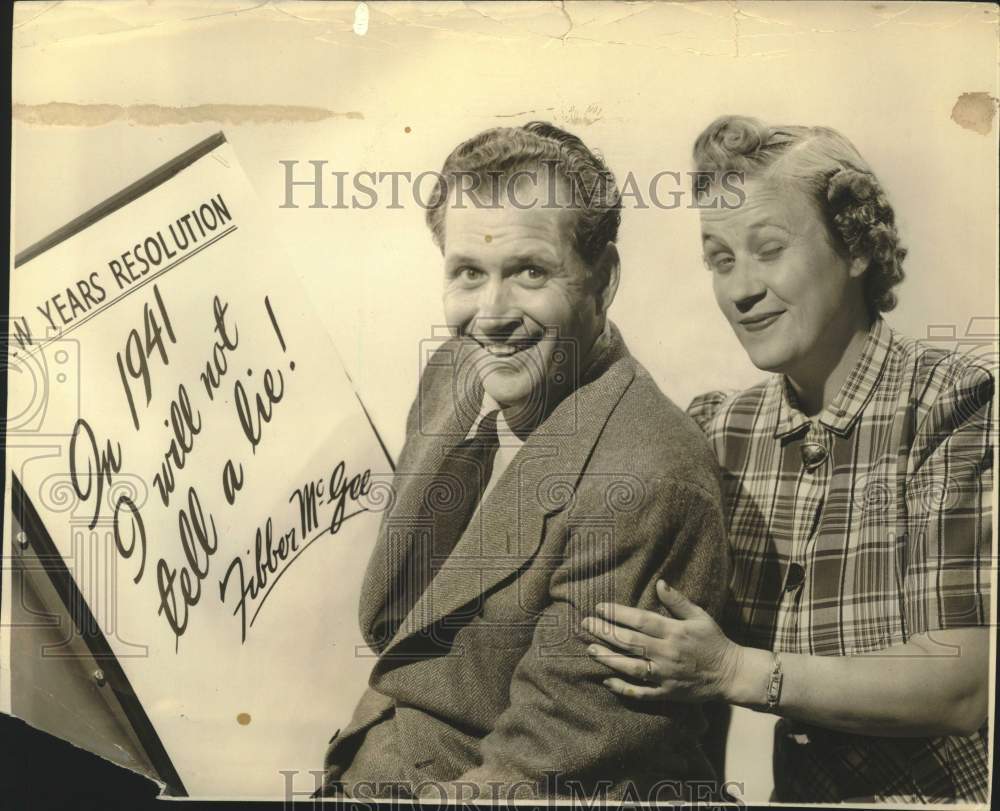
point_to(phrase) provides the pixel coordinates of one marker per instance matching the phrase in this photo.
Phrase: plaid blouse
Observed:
(856, 531)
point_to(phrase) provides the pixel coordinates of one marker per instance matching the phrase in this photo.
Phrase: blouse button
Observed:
(813, 455)
(796, 577)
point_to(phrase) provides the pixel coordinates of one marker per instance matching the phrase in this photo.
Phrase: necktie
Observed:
(449, 501)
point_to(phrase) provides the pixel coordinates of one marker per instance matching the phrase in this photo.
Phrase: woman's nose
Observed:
(744, 287)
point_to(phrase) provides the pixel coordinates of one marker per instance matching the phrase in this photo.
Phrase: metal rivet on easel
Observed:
(99, 677)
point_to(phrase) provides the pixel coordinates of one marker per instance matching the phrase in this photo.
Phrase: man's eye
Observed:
(532, 274)
(467, 275)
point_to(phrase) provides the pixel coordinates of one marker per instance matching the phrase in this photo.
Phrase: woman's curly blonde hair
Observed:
(858, 215)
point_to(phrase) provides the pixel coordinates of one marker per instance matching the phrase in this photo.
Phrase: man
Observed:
(543, 472)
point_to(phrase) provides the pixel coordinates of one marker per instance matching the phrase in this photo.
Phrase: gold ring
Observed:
(649, 670)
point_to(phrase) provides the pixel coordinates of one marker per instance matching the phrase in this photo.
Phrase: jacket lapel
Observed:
(507, 530)
(446, 406)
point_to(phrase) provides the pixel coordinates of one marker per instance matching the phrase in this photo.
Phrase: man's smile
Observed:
(507, 348)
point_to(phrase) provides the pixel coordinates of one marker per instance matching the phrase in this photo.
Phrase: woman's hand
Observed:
(682, 657)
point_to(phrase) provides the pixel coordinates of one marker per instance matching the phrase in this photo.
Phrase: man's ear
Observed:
(608, 267)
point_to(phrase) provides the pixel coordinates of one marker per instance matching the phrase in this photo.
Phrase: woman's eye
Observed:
(771, 251)
(719, 261)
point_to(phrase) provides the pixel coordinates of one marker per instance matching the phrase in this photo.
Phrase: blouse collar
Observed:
(842, 412)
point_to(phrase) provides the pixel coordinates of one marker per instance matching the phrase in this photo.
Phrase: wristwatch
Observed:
(773, 695)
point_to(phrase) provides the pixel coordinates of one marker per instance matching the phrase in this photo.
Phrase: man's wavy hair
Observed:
(859, 218)
(496, 155)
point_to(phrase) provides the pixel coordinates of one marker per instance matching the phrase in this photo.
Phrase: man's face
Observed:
(516, 287)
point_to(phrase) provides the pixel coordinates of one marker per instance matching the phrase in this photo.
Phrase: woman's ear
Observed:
(608, 268)
(858, 266)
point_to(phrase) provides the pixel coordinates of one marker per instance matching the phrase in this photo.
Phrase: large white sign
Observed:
(210, 476)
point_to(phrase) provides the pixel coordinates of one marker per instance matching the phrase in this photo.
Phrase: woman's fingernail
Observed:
(602, 608)
(592, 650)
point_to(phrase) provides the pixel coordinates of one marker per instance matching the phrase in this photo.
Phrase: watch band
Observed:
(773, 695)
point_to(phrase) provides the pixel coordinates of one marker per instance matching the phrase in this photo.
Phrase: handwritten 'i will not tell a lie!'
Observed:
(95, 463)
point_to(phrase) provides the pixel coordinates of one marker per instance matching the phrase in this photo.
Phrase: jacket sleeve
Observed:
(562, 722)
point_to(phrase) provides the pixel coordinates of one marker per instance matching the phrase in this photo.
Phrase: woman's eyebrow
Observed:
(767, 222)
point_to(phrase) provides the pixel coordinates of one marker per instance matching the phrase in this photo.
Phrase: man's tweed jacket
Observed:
(616, 488)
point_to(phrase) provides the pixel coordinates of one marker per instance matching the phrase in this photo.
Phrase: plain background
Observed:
(104, 92)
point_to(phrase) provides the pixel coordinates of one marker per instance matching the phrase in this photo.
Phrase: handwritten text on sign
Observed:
(205, 440)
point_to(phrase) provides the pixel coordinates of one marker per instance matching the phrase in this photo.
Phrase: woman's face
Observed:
(785, 290)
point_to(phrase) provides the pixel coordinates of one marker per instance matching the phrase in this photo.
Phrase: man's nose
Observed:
(496, 319)
(744, 286)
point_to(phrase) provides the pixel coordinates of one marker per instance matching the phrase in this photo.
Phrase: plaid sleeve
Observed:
(704, 407)
(949, 506)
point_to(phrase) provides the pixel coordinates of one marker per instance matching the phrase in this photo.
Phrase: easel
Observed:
(65, 680)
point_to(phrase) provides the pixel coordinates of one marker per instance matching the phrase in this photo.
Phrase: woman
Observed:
(858, 482)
